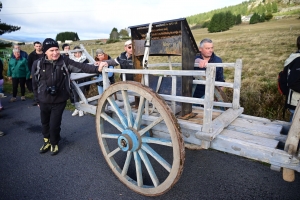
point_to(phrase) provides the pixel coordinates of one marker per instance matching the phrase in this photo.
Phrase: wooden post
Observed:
(105, 80)
(209, 98)
(237, 84)
(146, 82)
(292, 142)
(173, 93)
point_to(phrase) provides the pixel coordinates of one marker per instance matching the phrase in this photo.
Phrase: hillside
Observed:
(284, 7)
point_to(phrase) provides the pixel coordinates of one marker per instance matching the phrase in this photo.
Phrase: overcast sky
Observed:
(94, 19)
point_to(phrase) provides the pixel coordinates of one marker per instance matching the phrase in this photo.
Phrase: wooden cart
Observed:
(151, 126)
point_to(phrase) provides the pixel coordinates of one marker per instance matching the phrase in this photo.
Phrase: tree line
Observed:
(67, 36)
(223, 21)
(224, 18)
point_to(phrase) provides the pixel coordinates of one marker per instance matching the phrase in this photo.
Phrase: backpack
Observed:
(289, 82)
(282, 81)
(293, 80)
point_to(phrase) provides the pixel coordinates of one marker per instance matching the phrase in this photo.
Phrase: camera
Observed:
(52, 90)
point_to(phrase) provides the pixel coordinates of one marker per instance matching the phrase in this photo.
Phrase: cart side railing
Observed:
(210, 128)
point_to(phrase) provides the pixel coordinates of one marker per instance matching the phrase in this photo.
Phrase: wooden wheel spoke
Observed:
(149, 167)
(110, 135)
(150, 126)
(157, 157)
(160, 141)
(127, 108)
(118, 111)
(112, 153)
(127, 162)
(113, 122)
(138, 169)
(140, 112)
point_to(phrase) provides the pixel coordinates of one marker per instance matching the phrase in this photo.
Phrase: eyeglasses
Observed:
(129, 47)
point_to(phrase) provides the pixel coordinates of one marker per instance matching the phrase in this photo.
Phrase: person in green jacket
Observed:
(18, 72)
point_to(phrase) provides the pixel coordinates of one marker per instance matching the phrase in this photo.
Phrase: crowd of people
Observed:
(46, 73)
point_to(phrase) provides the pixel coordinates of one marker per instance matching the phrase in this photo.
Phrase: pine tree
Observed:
(254, 19)
(214, 24)
(274, 7)
(114, 35)
(238, 19)
(6, 28)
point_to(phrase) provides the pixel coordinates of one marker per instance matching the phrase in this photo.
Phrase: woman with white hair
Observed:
(78, 57)
(18, 72)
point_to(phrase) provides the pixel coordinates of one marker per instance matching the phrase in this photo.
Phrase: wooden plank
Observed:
(292, 142)
(173, 93)
(268, 130)
(76, 76)
(294, 133)
(256, 152)
(237, 84)
(250, 138)
(193, 100)
(219, 124)
(208, 99)
(217, 83)
(156, 72)
(195, 65)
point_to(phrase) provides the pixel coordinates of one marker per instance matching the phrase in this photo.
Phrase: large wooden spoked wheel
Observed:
(148, 165)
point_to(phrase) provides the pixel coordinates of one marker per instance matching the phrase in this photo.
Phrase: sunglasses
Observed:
(129, 47)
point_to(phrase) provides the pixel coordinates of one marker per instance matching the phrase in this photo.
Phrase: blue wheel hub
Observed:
(129, 140)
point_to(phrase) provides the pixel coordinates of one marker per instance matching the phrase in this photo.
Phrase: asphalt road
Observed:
(79, 171)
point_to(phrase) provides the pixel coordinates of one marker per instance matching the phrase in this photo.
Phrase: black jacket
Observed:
(52, 75)
(32, 57)
(124, 62)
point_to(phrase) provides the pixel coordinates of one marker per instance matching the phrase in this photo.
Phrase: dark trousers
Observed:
(51, 116)
(16, 82)
(29, 84)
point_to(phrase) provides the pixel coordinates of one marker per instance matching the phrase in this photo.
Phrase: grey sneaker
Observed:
(13, 99)
(1, 133)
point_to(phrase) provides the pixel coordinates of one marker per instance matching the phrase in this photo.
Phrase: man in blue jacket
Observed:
(207, 55)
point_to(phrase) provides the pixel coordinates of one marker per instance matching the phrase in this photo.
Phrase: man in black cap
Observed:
(51, 87)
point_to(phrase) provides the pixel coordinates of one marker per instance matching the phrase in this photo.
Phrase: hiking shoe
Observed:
(23, 98)
(54, 150)
(81, 113)
(13, 99)
(75, 112)
(46, 145)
